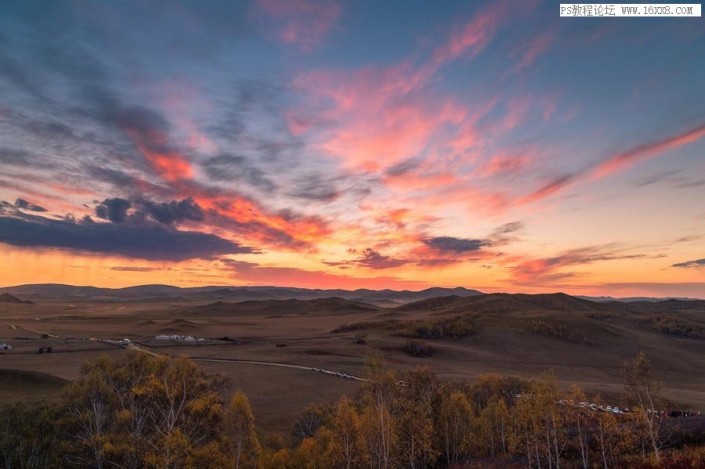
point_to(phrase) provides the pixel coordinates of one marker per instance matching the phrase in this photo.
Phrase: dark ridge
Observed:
(286, 307)
(8, 298)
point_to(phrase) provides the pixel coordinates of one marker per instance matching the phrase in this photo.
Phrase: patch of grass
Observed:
(457, 327)
(678, 327)
(557, 331)
(21, 385)
(363, 325)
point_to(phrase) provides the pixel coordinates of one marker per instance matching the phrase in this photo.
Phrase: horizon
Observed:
(225, 286)
(346, 146)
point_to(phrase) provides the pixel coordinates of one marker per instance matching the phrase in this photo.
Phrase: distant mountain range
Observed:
(230, 294)
(253, 293)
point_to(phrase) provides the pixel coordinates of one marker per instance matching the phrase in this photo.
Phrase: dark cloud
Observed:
(141, 210)
(134, 269)
(151, 242)
(314, 187)
(508, 228)
(449, 243)
(237, 169)
(25, 205)
(403, 168)
(239, 266)
(694, 263)
(114, 209)
(369, 258)
(374, 260)
(50, 129)
(656, 178)
(170, 213)
(14, 157)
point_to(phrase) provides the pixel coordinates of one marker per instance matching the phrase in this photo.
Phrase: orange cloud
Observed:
(293, 277)
(167, 162)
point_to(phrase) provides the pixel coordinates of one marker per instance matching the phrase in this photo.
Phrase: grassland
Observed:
(583, 342)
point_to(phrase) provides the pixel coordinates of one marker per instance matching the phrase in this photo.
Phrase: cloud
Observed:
(144, 210)
(14, 157)
(24, 205)
(507, 228)
(304, 23)
(237, 169)
(688, 264)
(114, 209)
(125, 268)
(374, 260)
(149, 133)
(548, 189)
(172, 212)
(458, 245)
(314, 187)
(621, 161)
(548, 270)
(294, 277)
(151, 242)
(534, 48)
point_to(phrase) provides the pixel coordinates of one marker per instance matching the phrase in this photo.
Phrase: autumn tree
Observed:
(539, 423)
(456, 422)
(417, 398)
(346, 443)
(28, 436)
(140, 411)
(241, 433)
(378, 421)
(493, 428)
(310, 420)
(643, 390)
(578, 417)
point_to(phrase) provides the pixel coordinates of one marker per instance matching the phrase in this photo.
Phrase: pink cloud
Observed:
(533, 49)
(621, 161)
(616, 163)
(304, 23)
(476, 34)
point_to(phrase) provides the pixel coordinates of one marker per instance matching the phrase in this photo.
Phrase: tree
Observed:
(415, 404)
(493, 424)
(240, 428)
(644, 392)
(346, 444)
(456, 421)
(578, 417)
(28, 435)
(310, 420)
(379, 424)
(539, 423)
(140, 411)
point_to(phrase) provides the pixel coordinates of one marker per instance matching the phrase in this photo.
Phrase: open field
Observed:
(269, 348)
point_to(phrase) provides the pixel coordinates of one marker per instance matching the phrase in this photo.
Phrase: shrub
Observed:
(417, 348)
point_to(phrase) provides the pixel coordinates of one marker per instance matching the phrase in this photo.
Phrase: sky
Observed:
(329, 144)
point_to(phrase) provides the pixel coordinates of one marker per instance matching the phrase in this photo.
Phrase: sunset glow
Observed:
(490, 145)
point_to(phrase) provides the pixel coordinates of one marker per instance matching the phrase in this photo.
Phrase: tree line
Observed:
(140, 411)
